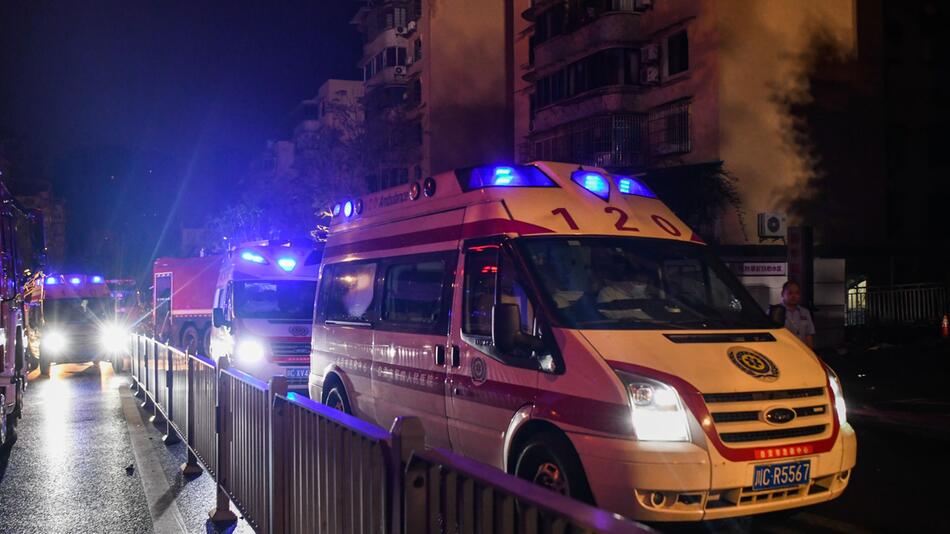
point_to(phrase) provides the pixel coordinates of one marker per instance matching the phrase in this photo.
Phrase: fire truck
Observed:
(79, 323)
(182, 301)
(22, 256)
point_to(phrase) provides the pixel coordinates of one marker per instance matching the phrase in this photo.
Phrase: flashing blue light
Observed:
(253, 257)
(96, 279)
(348, 208)
(632, 186)
(336, 210)
(51, 280)
(287, 264)
(507, 176)
(75, 280)
(593, 182)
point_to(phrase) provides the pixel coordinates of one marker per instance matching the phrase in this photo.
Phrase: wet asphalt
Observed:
(87, 460)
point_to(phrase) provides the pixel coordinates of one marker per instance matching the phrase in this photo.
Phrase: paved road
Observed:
(82, 429)
(87, 460)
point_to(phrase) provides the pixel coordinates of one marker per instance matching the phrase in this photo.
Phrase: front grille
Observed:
(763, 435)
(740, 417)
(291, 351)
(753, 396)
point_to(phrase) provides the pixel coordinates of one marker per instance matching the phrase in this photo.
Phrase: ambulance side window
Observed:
(512, 291)
(347, 292)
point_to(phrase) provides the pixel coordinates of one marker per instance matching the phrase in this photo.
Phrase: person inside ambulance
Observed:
(626, 285)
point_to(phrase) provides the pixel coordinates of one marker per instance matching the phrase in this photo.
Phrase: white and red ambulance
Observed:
(562, 324)
(263, 309)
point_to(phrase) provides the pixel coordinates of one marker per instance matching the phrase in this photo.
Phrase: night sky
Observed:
(134, 108)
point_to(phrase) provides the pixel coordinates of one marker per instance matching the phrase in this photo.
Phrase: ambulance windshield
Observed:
(611, 283)
(77, 310)
(281, 299)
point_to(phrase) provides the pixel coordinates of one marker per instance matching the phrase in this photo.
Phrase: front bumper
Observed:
(673, 481)
(296, 375)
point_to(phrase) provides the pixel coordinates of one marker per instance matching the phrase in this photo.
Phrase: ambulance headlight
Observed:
(840, 408)
(113, 338)
(250, 351)
(54, 341)
(656, 409)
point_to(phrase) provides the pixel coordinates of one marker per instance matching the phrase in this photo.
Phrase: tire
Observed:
(549, 460)
(206, 341)
(335, 397)
(190, 339)
(7, 426)
(45, 366)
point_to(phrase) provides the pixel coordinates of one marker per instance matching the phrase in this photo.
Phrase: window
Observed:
(399, 14)
(485, 268)
(391, 56)
(614, 66)
(400, 56)
(417, 49)
(669, 129)
(677, 53)
(415, 295)
(280, 299)
(347, 291)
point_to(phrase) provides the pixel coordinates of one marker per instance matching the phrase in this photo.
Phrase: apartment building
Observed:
(438, 85)
(646, 86)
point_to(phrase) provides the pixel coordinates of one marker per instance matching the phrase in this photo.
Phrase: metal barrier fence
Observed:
(293, 465)
(919, 304)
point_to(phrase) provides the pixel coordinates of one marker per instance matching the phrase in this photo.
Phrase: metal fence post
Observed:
(277, 450)
(222, 510)
(156, 418)
(170, 437)
(409, 486)
(146, 399)
(132, 345)
(190, 468)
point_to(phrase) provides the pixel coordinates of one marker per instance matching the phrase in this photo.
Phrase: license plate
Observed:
(783, 475)
(299, 372)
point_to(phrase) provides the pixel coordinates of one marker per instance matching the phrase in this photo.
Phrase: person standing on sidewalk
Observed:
(797, 319)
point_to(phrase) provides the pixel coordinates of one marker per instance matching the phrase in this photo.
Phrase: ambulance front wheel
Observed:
(549, 460)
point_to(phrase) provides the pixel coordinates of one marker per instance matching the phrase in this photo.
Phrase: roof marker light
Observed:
(593, 182)
(504, 176)
(336, 210)
(51, 280)
(253, 257)
(632, 186)
(287, 264)
(348, 208)
(96, 279)
(75, 280)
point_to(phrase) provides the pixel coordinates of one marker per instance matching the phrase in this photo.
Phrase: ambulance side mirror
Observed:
(506, 330)
(217, 318)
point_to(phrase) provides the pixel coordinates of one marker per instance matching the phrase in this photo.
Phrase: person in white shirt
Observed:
(797, 319)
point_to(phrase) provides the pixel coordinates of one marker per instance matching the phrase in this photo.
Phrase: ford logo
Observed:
(779, 416)
(299, 331)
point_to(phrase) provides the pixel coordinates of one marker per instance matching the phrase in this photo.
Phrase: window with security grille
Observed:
(669, 127)
(677, 53)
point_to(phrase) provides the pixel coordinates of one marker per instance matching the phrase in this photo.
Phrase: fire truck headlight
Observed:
(54, 341)
(250, 351)
(840, 408)
(113, 338)
(656, 409)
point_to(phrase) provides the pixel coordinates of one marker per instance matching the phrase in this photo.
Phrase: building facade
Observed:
(438, 85)
(644, 86)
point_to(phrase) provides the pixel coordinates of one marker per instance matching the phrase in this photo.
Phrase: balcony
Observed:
(609, 30)
(613, 141)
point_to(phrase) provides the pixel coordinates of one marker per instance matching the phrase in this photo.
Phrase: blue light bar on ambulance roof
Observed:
(593, 182)
(51, 281)
(253, 257)
(287, 264)
(629, 185)
(75, 280)
(348, 208)
(503, 176)
(96, 279)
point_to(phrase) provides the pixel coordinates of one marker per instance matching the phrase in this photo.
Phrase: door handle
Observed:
(440, 355)
(456, 356)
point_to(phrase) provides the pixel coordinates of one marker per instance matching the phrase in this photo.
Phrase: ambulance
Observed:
(263, 309)
(562, 324)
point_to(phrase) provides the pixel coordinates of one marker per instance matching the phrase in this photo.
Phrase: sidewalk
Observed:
(898, 386)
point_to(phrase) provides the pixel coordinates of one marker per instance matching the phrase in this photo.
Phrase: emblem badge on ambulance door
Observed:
(479, 370)
(754, 364)
(299, 331)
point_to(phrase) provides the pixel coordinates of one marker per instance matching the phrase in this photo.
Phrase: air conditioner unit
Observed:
(650, 53)
(399, 70)
(642, 5)
(412, 26)
(649, 75)
(772, 225)
(401, 30)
